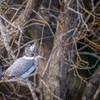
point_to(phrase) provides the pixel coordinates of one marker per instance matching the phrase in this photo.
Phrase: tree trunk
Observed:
(59, 63)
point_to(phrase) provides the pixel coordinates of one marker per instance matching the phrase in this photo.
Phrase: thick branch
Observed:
(92, 85)
(26, 14)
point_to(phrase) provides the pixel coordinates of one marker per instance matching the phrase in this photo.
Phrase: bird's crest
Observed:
(31, 50)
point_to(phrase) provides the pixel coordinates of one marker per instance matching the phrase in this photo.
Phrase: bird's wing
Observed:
(20, 67)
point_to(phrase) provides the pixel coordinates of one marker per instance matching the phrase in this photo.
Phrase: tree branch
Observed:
(92, 85)
(31, 89)
(26, 14)
(5, 39)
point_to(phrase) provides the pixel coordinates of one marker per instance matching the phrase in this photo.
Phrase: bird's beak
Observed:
(40, 57)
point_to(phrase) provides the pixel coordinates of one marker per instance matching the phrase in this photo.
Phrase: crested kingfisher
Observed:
(23, 66)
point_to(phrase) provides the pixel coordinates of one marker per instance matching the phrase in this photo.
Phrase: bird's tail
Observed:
(2, 74)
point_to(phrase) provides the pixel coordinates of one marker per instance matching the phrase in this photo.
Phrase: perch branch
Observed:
(32, 90)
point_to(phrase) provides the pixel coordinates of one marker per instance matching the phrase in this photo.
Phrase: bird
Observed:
(25, 65)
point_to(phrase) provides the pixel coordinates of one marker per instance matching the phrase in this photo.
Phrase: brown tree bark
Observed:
(27, 12)
(59, 63)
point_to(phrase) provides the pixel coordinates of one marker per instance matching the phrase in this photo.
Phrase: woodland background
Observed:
(67, 33)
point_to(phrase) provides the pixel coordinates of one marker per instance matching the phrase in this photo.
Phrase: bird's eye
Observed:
(32, 54)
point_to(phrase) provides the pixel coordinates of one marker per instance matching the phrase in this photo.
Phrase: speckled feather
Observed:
(20, 67)
(23, 66)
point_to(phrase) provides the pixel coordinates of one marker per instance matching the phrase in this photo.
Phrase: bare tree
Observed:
(67, 35)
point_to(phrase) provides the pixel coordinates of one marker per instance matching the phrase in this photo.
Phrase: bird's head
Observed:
(32, 51)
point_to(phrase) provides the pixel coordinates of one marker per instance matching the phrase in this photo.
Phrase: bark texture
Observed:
(27, 12)
(59, 63)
